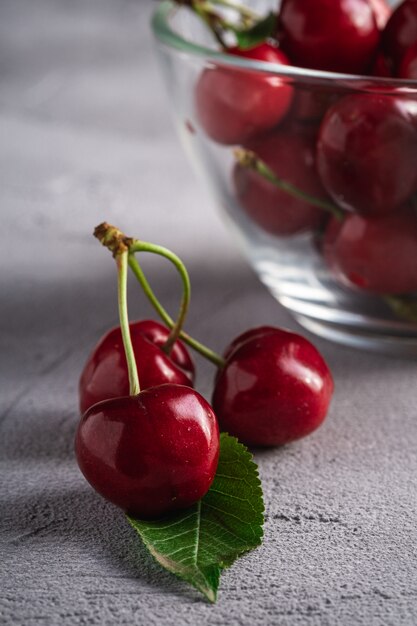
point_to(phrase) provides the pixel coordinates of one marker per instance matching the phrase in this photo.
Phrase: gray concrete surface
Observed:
(86, 136)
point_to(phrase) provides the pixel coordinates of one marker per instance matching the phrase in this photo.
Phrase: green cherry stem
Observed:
(118, 243)
(122, 265)
(143, 246)
(114, 240)
(213, 23)
(244, 11)
(249, 160)
(207, 11)
(206, 352)
(202, 6)
(218, 24)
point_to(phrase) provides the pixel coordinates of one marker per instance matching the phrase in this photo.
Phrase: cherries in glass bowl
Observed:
(308, 140)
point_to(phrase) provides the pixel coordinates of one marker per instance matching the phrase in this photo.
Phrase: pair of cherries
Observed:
(157, 451)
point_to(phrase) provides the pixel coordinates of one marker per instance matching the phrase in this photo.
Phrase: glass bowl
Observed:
(329, 224)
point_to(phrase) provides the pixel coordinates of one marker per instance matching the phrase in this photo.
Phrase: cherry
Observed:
(291, 156)
(266, 52)
(376, 254)
(152, 453)
(331, 35)
(274, 388)
(105, 375)
(382, 67)
(234, 104)
(408, 67)
(367, 151)
(311, 102)
(318, 235)
(401, 31)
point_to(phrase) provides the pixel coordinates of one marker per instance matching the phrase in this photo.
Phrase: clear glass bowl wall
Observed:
(292, 266)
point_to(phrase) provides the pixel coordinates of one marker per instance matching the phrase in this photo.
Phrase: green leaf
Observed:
(250, 37)
(197, 543)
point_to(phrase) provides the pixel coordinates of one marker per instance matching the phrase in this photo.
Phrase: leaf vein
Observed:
(186, 532)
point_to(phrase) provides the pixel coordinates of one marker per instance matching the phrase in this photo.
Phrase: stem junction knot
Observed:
(112, 238)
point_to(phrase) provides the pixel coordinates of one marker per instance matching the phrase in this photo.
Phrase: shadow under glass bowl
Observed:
(349, 276)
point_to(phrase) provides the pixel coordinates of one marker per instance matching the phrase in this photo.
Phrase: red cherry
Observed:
(382, 67)
(262, 52)
(291, 157)
(234, 104)
(105, 374)
(274, 388)
(382, 12)
(331, 35)
(408, 67)
(250, 334)
(318, 235)
(152, 453)
(401, 31)
(377, 254)
(367, 152)
(310, 103)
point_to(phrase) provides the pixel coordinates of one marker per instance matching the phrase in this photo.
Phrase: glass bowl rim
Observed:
(165, 34)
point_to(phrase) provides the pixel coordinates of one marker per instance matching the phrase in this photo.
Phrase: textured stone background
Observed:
(86, 136)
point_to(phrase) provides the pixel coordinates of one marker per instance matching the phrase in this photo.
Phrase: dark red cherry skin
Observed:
(332, 35)
(367, 152)
(150, 454)
(274, 388)
(401, 31)
(375, 254)
(310, 104)
(105, 374)
(408, 67)
(382, 12)
(248, 335)
(318, 235)
(291, 156)
(382, 67)
(234, 104)
(266, 52)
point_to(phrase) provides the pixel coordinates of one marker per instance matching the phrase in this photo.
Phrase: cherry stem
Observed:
(218, 24)
(206, 10)
(117, 242)
(206, 352)
(245, 11)
(122, 265)
(213, 22)
(113, 239)
(249, 160)
(143, 246)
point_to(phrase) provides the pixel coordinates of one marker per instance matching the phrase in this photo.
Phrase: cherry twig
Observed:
(249, 160)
